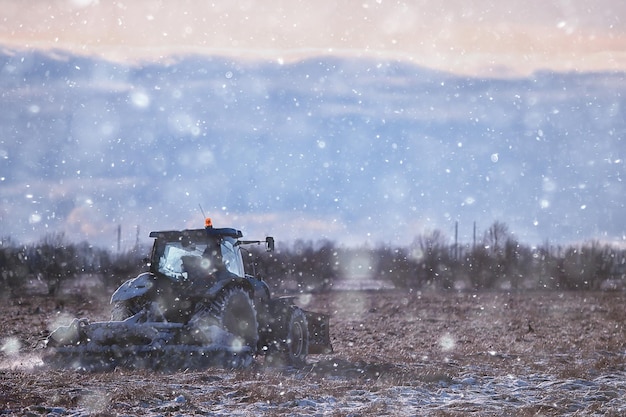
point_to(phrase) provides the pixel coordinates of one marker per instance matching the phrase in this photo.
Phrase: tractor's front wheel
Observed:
(291, 338)
(297, 337)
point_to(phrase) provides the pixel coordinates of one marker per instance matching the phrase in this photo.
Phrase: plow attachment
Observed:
(102, 346)
(319, 333)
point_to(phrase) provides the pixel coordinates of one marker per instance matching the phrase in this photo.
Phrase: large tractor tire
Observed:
(124, 309)
(291, 337)
(234, 311)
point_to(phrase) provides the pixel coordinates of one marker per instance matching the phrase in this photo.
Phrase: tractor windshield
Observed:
(171, 259)
(172, 254)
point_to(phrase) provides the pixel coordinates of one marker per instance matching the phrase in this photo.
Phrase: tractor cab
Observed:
(209, 249)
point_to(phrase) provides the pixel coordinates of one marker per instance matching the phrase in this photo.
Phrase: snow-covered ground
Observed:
(240, 393)
(396, 353)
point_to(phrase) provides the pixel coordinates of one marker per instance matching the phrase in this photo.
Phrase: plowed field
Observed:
(396, 353)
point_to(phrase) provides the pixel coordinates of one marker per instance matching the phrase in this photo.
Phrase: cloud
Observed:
(413, 150)
(458, 36)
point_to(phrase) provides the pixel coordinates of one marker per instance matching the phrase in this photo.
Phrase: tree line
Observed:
(55, 260)
(496, 261)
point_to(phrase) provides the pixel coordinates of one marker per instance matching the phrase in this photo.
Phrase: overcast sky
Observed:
(479, 37)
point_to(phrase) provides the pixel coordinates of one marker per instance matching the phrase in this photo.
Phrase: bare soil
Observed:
(396, 353)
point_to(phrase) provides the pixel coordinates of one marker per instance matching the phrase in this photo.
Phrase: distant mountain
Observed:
(354, 150)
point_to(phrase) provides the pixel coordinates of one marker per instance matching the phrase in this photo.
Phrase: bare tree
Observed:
(432, 251)
(496, 237)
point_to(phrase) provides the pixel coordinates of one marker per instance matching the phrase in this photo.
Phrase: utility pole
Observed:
(456, 240)
(474, 246)
(119, 237)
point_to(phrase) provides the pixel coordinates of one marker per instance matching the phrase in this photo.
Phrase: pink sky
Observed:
(496, 37)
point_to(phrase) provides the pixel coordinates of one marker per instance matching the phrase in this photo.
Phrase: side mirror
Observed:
(269, 243)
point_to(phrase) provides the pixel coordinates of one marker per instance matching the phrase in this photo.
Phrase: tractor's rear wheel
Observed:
(124, 309)
(234, 312)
